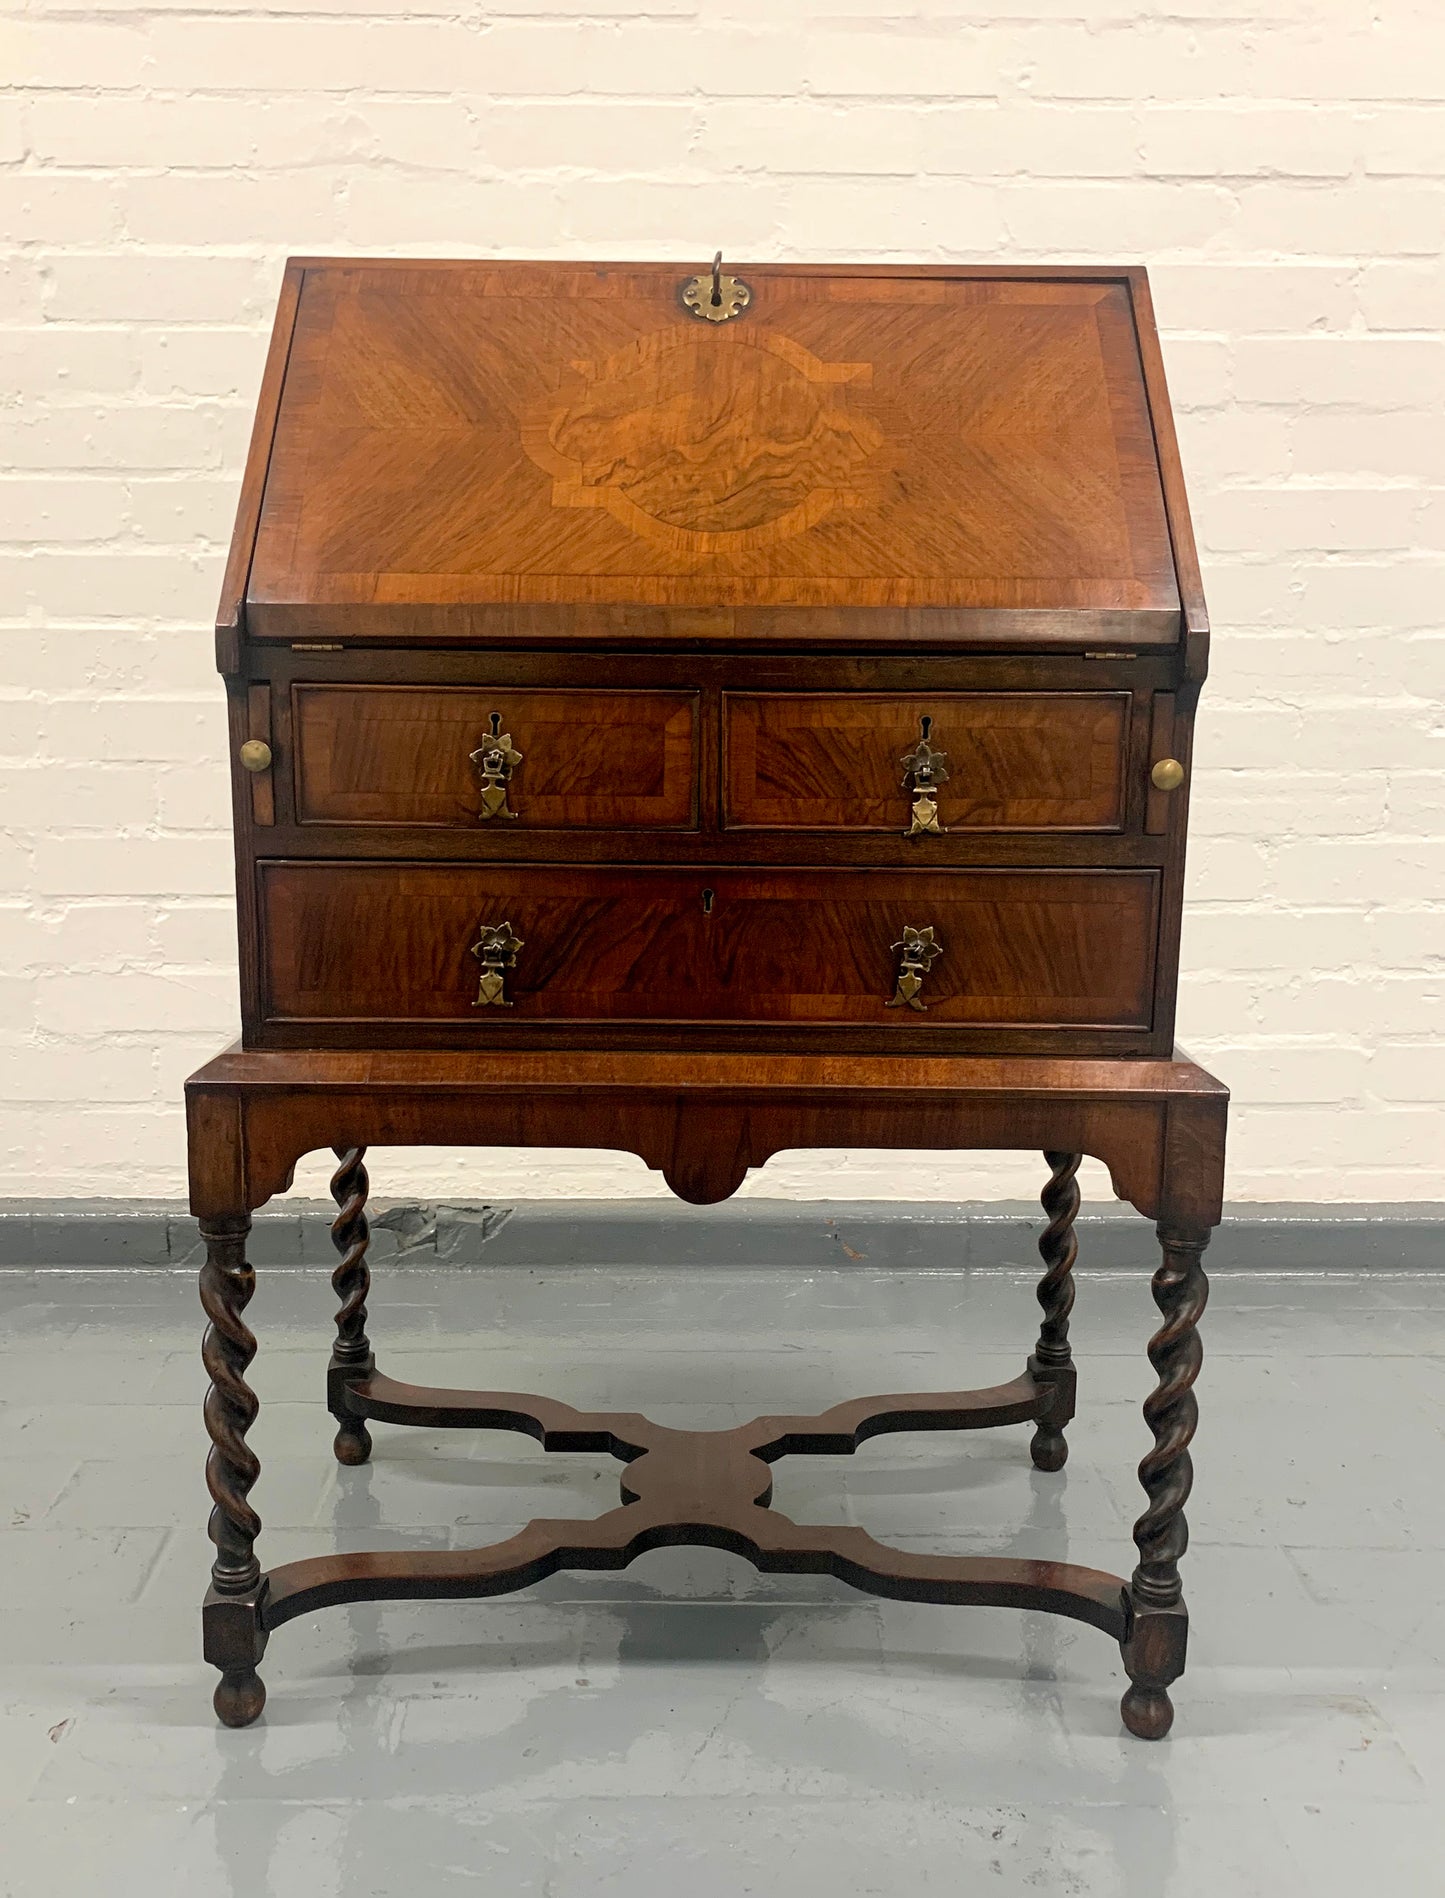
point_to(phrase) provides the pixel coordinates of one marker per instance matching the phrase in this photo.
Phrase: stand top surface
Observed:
(581, 1073)
(704, 1121)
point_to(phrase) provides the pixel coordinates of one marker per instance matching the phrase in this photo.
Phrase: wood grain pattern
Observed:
(389, 754)
(1045, 761)
(562, 436)
(707, 448)
(391, 942)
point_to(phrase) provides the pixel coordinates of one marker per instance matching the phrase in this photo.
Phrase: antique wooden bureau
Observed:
(705, 712)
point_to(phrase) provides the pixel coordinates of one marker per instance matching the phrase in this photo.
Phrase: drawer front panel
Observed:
(386, 942)
(1015, 760)
(586, 760)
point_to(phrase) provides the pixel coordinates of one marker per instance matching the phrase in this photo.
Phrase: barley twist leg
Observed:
(234, 1641)
(351, 1356)
(1155, 1648)
(1052, 1363)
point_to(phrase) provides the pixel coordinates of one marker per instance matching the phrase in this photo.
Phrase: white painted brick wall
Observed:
(1279, 164)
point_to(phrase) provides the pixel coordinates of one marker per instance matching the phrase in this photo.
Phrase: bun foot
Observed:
(353, 1443)
(1049, 1449)
(240, 1695)
(1148, 1712)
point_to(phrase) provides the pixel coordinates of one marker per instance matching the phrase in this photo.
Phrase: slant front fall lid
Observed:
(479, 451)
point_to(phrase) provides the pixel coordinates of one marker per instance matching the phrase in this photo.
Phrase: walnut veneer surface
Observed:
(711, 585)
(499, 434)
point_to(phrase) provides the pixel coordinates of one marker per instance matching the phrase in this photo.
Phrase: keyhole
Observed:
(707, 902)
(925, 726)
(496, 724)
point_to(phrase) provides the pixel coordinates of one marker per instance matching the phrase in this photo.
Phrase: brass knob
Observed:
(1167, 775)
(256, 755)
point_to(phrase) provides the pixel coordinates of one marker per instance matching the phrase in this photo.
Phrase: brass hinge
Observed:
(1111, 655)
(307, 645)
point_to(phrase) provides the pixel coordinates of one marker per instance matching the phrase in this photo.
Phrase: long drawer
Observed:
(422, 942)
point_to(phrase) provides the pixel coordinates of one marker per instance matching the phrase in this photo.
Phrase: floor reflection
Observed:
(686, 1674)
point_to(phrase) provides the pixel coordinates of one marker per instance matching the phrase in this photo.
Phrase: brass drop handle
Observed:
(255, 755)
(918, 951)
(495, 759)
(497, 949)
(924, 769)
(1167, 775)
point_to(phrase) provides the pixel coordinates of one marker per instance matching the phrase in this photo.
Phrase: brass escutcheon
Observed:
(924, 769)
(714, 297)
(919, 950)
(496, 758)
(496, 948)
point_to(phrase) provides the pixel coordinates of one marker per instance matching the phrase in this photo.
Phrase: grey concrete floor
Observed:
(688, 1724)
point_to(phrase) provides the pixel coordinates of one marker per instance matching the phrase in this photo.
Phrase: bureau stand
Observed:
(703, 1121)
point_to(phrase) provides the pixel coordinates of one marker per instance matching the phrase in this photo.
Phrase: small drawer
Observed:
(468, 759)
(439, 942)
(850, 761)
